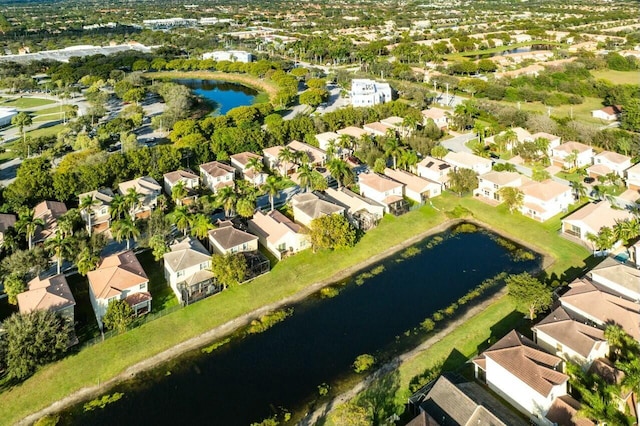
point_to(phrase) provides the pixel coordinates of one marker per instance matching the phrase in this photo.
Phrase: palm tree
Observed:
(572, 159)
(86, 261)
(132, 201)
(86, 206)
(345, 142)
(579, 190)
(341, 171)
(604, 240)
(393, 149)
(125, 229)
(408, 159)
(272, 187)
(28, 224)
(513, 197)
(510, 138)
(200, 226)
(68, 221)
(60, 246)
(227, 198)
(305, 175)
(410, 123)
(117, 207)
(245, 206)
(631, 379)
(182, 218)
(178, 192)
(254, 164)
(22, 120)
(626, 230)
(286, 156)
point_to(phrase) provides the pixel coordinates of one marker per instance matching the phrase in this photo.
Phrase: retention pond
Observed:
(254, 375)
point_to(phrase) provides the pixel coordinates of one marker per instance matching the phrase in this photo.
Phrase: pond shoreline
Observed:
(235, 324)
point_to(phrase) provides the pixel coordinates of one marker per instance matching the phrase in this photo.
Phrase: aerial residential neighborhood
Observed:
(420, 213)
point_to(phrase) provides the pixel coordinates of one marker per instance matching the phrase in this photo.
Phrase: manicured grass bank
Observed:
(104, 361)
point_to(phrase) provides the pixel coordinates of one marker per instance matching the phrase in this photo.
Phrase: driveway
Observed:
(458, 143)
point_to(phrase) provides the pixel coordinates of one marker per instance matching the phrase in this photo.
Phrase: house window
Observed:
(204, 265)
(180, 274)
(143, 286)
(282, 247)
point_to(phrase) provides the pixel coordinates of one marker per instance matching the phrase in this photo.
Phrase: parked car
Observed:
(588, 179)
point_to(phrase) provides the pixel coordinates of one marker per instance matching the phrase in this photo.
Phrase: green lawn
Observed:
(105, 360)
(163, 296)
(579, 112)
(46, 131)
(27, 102)
(618, 77)
(460, 56)
(576, 176)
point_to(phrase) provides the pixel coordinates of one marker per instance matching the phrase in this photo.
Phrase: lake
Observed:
(256, 375)
(222, 95)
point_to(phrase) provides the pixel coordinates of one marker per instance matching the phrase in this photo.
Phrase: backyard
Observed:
(101, 362)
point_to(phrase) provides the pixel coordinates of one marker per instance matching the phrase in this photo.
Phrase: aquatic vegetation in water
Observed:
(329, 292)
(267, 321)
(363, 363)
(103, 401)
(465, 228)
(434, 242)
(216, 345)
(410, 252)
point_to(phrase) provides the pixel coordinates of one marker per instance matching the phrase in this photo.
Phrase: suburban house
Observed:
(317, 156)
(490, 184)
(633, 177)
(51, 294)
(326, 139)
(226, 239)
(451, 401)
(617, 277)
(543, 200)
(308, 206)
(98, 214)
(415, 187)
(560, 334)
(187, 270)
(6, 221)
(229, 55)
(554, 140)
(364, 213)
(278, 234)
(271, 160)
(354, 132)
(438, 115)
(571, 154)
(241, 163)
(216, 175)
(378, 129)
(589, 303)
(591, 218)
(383, 190)
(523, 374)
(609, 162)
(609, 113)
(366, 93)
(189, 181)
(397, 124)
(465, 160)
(49, 212)
(119, 277)
(521, 135)
(149, 190)
(434, 170)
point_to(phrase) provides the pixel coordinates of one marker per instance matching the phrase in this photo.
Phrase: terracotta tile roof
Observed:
(613, 157)
(584, 297)
(104, 196)
(354, 132)
(392, 199)
(178, 175)
(274, 225)
(244, 157)
(137, 298)
(531, 365)
(564, 411)
(185, 254)
(6, 221)
(412, 182)
(228, 236)
(393, 121)
(434, 113)
(570, 146)
(377, 127)
(52, 293)
(327, 137)
(547, 136)
(378, 182)
(115, 274)
(353, 201)
(598, 169)
(597, 215)
(612, 110)
(546, 190)
(216, 169)
(273, 151)
(316, 155)
(575, 335)
(49, 212)
(143, 185)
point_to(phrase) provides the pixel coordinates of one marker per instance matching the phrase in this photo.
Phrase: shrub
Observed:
(363, 363)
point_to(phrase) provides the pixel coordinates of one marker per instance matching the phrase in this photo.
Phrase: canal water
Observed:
(222, 95)
(255, 376)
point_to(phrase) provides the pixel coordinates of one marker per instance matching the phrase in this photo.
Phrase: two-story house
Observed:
(523, 374)
(378, 128)
(97, 216)
(227, 239)
(591, 218)
(543, 200)
(187, 269)
(51, 294)
(466, 160)
(384, 190)
(278, 234)
(633, 177)
(416, 188)
(439, 116)
(187, 179)
(308, 206)
(490, 184)
(119, 277)
(367, 93)
(571, 154)
(619, 278)
(216, 175)
(49, 212)
(354, 132)
(327, 139)
(364, 213)
(242, 163)
(148, 189)
(434, 170)
(609, 162)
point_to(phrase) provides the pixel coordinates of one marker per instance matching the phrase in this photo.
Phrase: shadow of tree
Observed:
(379, 398)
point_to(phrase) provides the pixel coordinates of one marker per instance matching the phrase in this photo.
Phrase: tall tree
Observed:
(60, 246)
(512, 197)
(125, 229)
(178, 192)
(119, 316)
(529, 293)
(286, 156)
(229, 269)
(272, 187)
(22, 120)
(118, 207)
(200, 226)
(182, 218)
(393, 149)
(86, 261)
(227, 198)
(341, 171)
(305, 175)
(28, 224)
(332, 232)
(603, 240)
(462, 180)
(132, 199)
(86, 206)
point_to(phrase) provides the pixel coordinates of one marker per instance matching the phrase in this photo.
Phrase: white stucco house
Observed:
(490, 184)
(571, 154)
(466, 160)
(189, 181)
(227, 239)
(633, 177)
(416, 188)
(620, 278)
(365, 92)
(591, 218)
(384, 190)
(439, 116)
(187, 270)
(609, 162)
(148, 189)
(543, 200)
(609, 113)
(48, 294)
(98, 215)
(364, 213)
(308, 206)
(229, 55)
(216, 175)
(278, 234)
(242, 163)
(523, 374)
(434, 170)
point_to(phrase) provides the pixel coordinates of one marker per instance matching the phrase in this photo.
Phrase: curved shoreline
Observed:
(244, 320)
